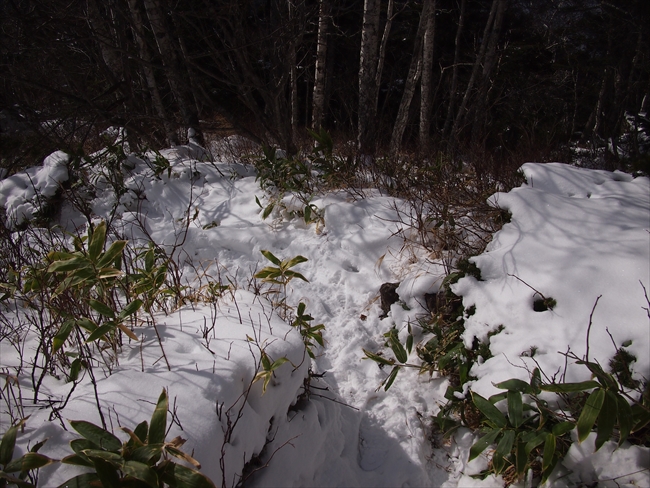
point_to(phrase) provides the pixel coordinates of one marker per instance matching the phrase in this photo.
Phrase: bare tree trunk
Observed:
(488, 68)
(454, 77)
(426, 99)
(156, 99)
(318, 102)
(367, 76)
(106, 39)
(382, 50)
(460, 115)
(179, 88)
(412, 80)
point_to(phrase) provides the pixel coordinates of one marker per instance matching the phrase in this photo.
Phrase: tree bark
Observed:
(178, 85)
(152, 85)
(367, 77)
(454, 76)
(318, 102)
(382, 50)
(426, 98)
(412, 79)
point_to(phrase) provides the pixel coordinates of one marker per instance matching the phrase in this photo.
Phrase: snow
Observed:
(575, 235)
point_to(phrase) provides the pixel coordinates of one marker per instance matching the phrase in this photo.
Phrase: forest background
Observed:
(491, 82)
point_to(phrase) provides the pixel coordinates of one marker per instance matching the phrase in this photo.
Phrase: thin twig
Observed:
(591, 315)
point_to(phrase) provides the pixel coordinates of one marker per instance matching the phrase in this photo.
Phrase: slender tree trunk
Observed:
(488, 67)
(382, 50)
(152, 85)
(318, 102)
(178, 85)
(460, 115)
(412, 80)
(426, 85)
(454, 76)
(367, 77)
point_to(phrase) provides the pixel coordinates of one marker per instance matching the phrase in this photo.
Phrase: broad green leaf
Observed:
(9, 442)
(377, 358)
(267, 273)
(590, 413)
(111, 457)
(149, 260)
(100, 332)
(158, 424)
(521, 457)
(409, 343)
(606, 419)
(142, 430)
(492, 413)
(80, 445)
(307, 213)
(29, 461)
(102, 438)
(97, 240)
(148, 453)
(396, 346)
(514, 384)
(562, 428)
(271, 257)
(571, 387)
(534, 442)
(391, 377)
(494, 399)
(294, 261)
(257, 200)
(536, 380)
(267, 211)
(78, 262)
(503, 449)
(515, 408)
(483, 443)
(549, 451)
(62, 335)
(295, 274)
(130, 309)
(86, 480)
(107, 273)
(641, 417)
(625, 418)
(101, 308)
(278, 362)
(142, 472)
(111, 254)
(77, 460)
(182, 477)
(107, 473)
(86, 324)
(75, 369)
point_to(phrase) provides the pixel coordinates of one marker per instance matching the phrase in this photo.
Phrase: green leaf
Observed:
(515, 408)
(391, 377)
(111, 254)
(29, 461)
(396, 346)
(536, 380)
(521, 457)
(77, 460)
(503, 449)
(606, 419)
(9, 442)
(377, 358)
(102, 438)
(625, 418)
(86, 324)
(80, 445)
(267, 211)
(268, 272)
(182, 477)
(86, 480)
(295, 274)
(62, 335)
(148, 453)
(158, 424)
(75, 369)
(515, 385)
(97, 241)
(78, 262)
(294, 261)
(142, 472)
(562, 428)
(278, 362)
(483, 443)
(108, 273)
(177, 453)
(570, 387)
(549, 451)
(111, 457)
(590, 413)
(101, 308)
(492, 413)
(130, 309)
(271, 257)
(534, 442)
(641, 417)
(100, 332)
(307, 214)
(107, 473)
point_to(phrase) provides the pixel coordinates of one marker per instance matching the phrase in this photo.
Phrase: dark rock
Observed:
(388, 297)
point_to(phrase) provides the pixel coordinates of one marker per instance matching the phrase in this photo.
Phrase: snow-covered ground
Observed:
(575, 235)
